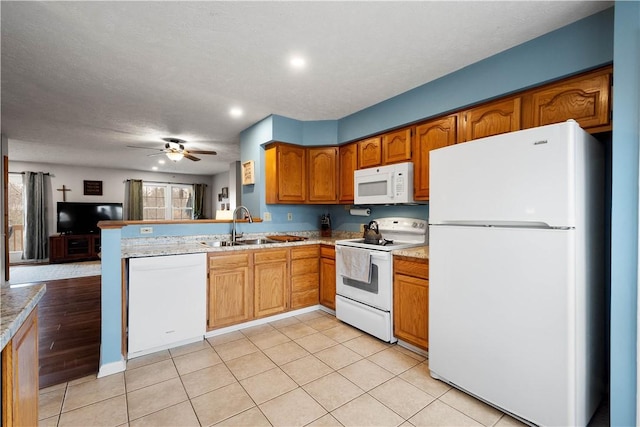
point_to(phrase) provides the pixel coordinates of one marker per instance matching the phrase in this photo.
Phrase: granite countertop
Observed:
(16, 304)
(161, 246)
(417, 252)
(146, 247)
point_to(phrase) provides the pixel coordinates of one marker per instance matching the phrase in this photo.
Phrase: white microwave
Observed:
(384, 185)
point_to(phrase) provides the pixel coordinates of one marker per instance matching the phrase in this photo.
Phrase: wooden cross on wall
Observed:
(64, 192)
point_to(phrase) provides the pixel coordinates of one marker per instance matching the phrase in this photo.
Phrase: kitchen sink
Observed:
(256, 241)
(220, 243)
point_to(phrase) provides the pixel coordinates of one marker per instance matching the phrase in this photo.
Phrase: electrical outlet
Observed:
(289, 216)
(267, 216)
(146, 230)
(362, 228)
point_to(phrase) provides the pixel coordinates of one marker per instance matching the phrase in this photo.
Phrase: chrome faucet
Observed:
(234, 235)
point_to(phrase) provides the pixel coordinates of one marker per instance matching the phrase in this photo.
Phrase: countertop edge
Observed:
(421, 252)
(16, 303)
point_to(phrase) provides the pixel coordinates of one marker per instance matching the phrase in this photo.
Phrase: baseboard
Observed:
(413, 348)
(261, 321)
(112, 368)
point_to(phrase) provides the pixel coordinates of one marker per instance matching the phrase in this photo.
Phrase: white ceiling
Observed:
(82, 80)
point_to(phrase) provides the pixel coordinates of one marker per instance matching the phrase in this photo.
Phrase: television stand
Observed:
(74, 247)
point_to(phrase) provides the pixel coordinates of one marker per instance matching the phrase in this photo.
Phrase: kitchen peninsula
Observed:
(124, 240)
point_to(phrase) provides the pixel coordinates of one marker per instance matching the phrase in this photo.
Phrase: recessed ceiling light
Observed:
(161, 161)
(236, 112)
(154, 168)
(297, 62)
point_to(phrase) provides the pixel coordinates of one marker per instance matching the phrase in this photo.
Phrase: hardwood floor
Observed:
(69, 330)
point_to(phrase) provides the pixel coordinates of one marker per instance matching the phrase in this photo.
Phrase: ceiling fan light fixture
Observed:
(175, 156)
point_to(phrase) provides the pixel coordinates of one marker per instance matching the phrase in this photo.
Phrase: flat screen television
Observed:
(82, 218)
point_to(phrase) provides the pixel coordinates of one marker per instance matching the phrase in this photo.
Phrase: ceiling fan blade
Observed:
(190, 157)
(145, 148)
(201, 152)
(157, 154)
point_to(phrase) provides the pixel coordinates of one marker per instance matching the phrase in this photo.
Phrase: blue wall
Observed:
(624, 213)
(251, 141)
(111, 297)
(582, 45)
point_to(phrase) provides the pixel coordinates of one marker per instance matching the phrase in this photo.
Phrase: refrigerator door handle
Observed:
(502, 224)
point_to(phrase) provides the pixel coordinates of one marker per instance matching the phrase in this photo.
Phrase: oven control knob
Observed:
(414, 225)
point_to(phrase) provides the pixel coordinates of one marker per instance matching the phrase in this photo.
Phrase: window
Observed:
(16, 212)
(167, 201)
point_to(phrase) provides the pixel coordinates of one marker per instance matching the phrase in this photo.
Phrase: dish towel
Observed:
(356, 264)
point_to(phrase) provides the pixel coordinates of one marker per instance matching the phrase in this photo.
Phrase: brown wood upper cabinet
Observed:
(396, 146)
(323, 174)
(347, 164)
(585, 98)
(429, 136)
(490, 119)
(286, 177)
(370, 152)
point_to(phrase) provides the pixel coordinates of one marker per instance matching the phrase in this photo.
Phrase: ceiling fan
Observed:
(174, 149)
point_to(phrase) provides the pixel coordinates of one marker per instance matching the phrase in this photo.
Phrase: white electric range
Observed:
(367, 304)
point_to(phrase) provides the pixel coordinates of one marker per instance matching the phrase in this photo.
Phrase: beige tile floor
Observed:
(305, 370)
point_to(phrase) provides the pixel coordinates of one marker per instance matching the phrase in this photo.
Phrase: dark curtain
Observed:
(35, 219)
(133, 199)
(198, 200)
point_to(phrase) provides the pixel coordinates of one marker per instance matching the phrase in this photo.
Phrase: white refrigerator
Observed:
(516, 272)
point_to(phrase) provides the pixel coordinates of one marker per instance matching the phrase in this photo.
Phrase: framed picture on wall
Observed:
(93, 188)
(248, 174)
(225, 192)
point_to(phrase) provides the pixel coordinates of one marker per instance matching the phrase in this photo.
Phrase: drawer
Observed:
(304, 299)
(327, 251)
(305, 282)
(414, 267)
(240, 259)
(302, 266)
(270, 255)
(309, 251)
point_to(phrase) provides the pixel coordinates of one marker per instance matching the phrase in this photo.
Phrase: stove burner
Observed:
(386, 242)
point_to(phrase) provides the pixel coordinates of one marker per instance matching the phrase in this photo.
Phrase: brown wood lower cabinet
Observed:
(305, 275)
(411, 300)
(250, 284)
(230, 293)
(271, 281)
(328, 276)
(20, 376)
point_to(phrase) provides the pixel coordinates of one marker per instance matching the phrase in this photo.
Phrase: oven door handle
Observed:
(378, 255)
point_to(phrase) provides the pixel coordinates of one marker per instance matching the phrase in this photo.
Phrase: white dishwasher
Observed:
(167, 302)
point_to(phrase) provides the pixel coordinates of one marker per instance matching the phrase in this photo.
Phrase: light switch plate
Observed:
(267, 216)
(289, 216)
